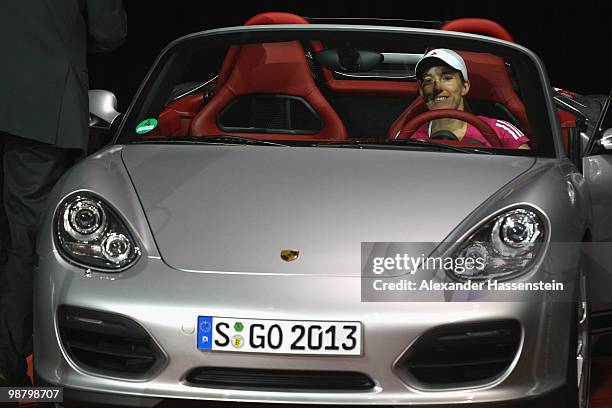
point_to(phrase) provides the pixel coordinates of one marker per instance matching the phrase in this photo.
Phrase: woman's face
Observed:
(442, 88)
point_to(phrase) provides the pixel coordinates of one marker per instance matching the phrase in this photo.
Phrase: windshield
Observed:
(345, 86)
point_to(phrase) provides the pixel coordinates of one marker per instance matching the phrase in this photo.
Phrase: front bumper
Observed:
(166, 302)
(554, 399)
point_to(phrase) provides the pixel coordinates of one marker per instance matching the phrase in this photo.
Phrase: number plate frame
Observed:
(318, 337)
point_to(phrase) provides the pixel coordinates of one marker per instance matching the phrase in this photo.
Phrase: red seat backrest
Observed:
(259, 19)
(268, 68)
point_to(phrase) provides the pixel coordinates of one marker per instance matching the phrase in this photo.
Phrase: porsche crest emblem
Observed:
(289, 255)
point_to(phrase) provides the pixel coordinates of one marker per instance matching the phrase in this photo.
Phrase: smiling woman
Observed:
(443, 84)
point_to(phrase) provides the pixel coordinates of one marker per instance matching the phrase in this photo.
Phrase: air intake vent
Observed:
(107, 343)
(215, 377)
(468, 353)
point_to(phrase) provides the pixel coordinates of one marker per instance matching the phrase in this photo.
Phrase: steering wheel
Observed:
(444, 135)
(413, 124)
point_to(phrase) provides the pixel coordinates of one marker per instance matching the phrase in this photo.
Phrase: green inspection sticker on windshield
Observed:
(146, 126)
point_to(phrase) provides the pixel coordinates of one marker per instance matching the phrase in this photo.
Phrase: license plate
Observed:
(279, 336)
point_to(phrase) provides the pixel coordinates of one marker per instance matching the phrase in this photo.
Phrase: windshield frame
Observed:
(526, 64)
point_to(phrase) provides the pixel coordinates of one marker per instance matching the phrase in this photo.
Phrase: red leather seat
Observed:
(488, 76)
(259, 19)
(279, 69)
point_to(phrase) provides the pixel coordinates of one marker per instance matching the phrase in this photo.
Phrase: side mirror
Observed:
(606, 139)
(102, 108)
(103, 118)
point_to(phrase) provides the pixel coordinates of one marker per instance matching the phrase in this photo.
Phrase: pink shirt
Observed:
(508, 134)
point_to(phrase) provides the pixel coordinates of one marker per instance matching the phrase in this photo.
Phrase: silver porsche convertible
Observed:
(260, 230)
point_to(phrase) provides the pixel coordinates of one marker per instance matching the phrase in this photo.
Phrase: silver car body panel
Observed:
(170, 317)
(260, 200)
(166, 301)
(598, 172)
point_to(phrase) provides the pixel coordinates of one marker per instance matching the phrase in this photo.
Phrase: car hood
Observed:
(234, 208)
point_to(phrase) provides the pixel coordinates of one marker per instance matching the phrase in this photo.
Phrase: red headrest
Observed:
(269, 68)
(489, 77)
(275, 18)
(259, 19)
(478, 26)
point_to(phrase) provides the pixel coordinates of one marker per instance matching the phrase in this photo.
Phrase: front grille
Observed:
(107, 343)
(456, 355)
(218, 377)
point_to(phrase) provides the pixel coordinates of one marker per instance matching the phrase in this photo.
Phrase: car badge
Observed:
(289, 255)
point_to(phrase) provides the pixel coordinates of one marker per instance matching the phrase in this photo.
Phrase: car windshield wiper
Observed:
(341, 143)
(441, 146)
(399, 142)
(210, 140)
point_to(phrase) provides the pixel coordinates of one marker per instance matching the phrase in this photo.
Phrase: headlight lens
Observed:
(116, 247)
(508, 244)
(85, 220)
(89, 233)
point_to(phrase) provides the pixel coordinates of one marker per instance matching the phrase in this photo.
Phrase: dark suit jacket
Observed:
(43, 68)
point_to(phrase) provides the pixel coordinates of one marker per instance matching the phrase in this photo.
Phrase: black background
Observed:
(573, 38)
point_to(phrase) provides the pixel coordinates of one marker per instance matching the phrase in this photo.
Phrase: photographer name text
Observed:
(488, 285)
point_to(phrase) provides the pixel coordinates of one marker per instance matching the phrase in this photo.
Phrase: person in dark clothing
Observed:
(3, 228)
(43, 123)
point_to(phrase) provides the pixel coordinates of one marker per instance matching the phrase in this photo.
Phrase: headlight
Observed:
(91, 234)
(507, 245)
(84, 220)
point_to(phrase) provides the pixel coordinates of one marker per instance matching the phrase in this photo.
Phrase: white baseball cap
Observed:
(449, 57)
